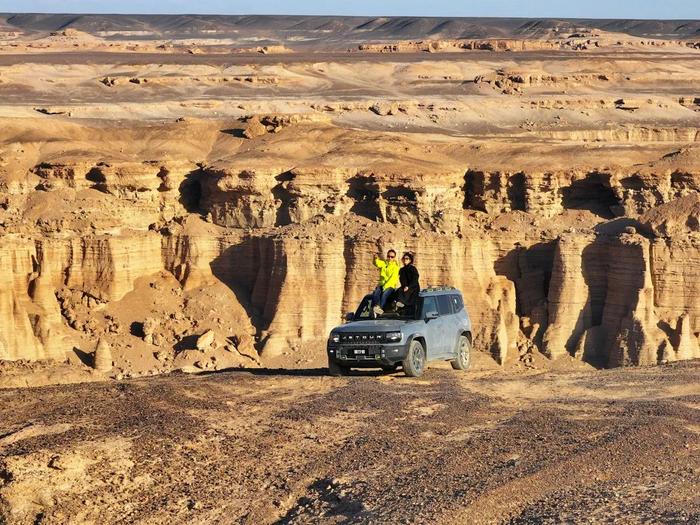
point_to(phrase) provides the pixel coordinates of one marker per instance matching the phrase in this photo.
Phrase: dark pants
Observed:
(380, 297)
(408, 298)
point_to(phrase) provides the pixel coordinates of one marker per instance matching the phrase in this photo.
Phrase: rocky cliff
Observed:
(568, 216)
(600, 264)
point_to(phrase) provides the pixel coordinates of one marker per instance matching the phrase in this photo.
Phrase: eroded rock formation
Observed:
(563, 205)
(295, 244)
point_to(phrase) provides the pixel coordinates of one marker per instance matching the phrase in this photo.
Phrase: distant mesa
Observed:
(302, 29)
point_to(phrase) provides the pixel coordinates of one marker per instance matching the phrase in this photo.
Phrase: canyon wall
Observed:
(599, 265)
(157, 202)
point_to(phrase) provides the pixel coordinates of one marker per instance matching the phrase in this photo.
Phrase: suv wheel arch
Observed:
(420, 339)
(465, 333)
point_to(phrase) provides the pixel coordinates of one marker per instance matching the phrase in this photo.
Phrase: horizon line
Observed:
(549, 17)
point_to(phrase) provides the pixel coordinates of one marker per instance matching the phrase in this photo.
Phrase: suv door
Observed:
(433, 328)
(461, 315)
(448, 325)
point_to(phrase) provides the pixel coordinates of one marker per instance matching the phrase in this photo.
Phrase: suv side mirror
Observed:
(350, 316)
(431, 315)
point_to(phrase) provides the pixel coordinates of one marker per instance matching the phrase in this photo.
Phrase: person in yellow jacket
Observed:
(388, 280)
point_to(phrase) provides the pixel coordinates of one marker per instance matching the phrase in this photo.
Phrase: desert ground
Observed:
(297, 446)
(189, 204)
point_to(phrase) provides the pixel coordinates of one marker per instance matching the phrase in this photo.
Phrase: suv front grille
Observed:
(361, 339)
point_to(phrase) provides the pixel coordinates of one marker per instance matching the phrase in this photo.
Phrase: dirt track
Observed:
(301, 447)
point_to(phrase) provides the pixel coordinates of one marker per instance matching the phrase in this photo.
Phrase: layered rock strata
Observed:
(595, 262)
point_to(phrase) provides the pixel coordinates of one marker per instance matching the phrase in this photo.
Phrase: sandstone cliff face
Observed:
(596, 263)
(300, 279)
(606, 193)
(104, 269)
(17, 310)
(607, 301)
(570, 302)
(152, 206)
(278, 197)
(240, 198)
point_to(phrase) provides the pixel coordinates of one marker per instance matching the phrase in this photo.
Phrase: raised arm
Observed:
(379, 263)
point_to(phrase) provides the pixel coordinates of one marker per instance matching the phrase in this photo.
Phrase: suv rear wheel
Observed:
(335, 369)
(414, 364)
(464, 354)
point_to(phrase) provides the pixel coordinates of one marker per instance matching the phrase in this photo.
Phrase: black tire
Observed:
(335, 369)
(390, 368)
(464, 354)
(414, 364)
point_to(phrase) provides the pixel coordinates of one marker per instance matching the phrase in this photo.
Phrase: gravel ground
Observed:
(297, 446)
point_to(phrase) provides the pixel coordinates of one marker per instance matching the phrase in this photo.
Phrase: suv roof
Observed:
(439, 290)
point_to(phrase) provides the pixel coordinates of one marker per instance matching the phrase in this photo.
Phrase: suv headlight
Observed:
(335, 337)
(393, 337)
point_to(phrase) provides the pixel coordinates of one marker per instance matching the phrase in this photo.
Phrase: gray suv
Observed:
(436, 327)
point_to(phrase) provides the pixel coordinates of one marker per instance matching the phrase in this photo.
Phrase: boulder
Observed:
(254, 128)
(150, 325)
(103, 357)
(205, 340)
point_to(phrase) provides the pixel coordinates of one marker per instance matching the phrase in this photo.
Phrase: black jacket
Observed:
(408, 277)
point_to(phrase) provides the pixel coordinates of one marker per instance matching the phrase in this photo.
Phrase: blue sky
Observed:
(665, 9)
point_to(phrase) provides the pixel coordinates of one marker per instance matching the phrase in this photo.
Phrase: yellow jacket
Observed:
(388, 273)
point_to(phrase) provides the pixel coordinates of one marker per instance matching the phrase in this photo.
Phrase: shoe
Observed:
(399, 304)
(378, 310)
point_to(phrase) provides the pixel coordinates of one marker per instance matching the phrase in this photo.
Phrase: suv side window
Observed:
(444, 306)
(429, 305)
(457, 303)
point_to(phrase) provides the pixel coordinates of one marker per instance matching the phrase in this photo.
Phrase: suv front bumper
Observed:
(369, 356)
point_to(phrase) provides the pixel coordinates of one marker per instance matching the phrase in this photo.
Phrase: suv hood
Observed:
(373, 325)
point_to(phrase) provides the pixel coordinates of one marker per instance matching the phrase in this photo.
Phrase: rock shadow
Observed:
(281, 194)
(191, 191)
(189, 342)
(473, 185)
(234, 132)
(594, 266)
(86, 358)
(301, 372)
(364, 191)
(531, 270)
(593, 194)
(136, 329)
(516, 191)
(98, 179)
(237, 267)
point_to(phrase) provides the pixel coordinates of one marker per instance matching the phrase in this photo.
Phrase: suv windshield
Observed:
(418, 311)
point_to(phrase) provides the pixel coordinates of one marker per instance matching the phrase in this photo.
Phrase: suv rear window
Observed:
(444, 306)
(457, 303)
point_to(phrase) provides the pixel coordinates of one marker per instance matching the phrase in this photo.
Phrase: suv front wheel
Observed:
(414, 364)
(464, 354)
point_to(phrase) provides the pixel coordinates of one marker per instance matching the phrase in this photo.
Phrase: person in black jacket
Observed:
(407, 294)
